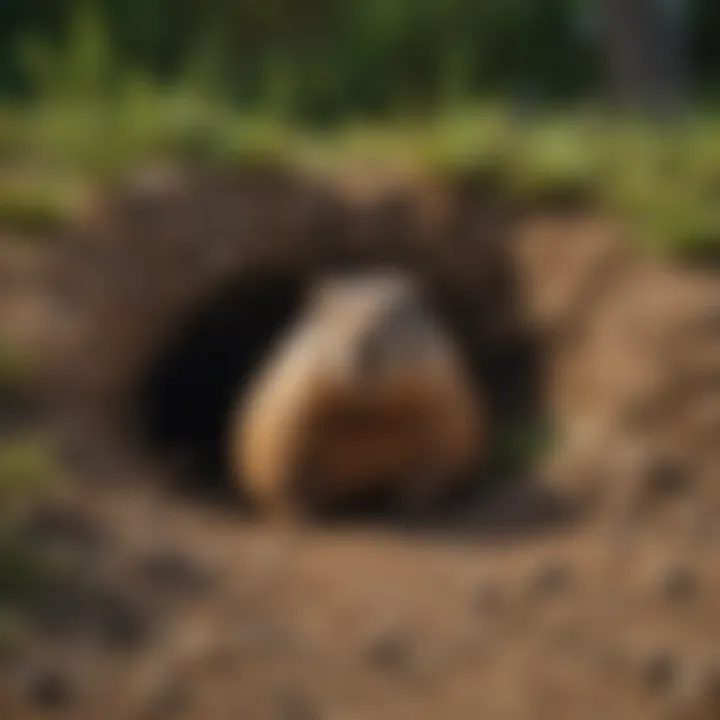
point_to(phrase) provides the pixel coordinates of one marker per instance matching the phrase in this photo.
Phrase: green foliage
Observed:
(467, 141)
(330, 58)
(15, 373)
(13, 625)
(23, 570)
(13, 135)
(667, 183)
(33, 209)
(82, 69)
(557, 160)
(27, 466)
(315, 60)
(27, 469)
(520, 445)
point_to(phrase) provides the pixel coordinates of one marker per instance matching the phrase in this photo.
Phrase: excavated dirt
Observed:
(577, 580)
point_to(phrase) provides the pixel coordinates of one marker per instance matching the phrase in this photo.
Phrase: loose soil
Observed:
(577, 580)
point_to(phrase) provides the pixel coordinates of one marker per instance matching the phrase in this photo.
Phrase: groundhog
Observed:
(366, 392)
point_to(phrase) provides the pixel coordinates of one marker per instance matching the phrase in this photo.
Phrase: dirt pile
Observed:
(167, 296)
(177, 283)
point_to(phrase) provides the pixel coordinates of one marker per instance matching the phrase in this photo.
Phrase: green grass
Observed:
(14, 627)
(33, 209)
(26, 572)
(27, 471)
(18, 377)
(27, 467)
(665, 182)
(23, 569)
(518, 446)
(15, 373)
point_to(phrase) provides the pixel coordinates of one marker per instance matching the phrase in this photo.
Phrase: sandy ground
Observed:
(507, 607)
(191, 610)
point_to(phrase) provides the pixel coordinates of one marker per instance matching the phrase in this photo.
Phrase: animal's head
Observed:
(384, 326)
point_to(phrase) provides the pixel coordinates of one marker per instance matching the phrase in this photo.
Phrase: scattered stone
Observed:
(660, 670)
(50, 690)
(665, 477)
(124, 625)
(390, 652)
(77, 608)
(174, 572)
(552, 578)
(679, 584)
(65, 528)
(711, 685)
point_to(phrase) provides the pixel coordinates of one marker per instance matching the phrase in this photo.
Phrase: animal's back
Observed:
(367, 390)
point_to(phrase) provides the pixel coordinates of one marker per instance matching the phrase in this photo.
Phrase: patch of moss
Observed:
(27, 466)
(13, 629)
(32, 210)
(24, 568)
(518, 447)
(15, 374)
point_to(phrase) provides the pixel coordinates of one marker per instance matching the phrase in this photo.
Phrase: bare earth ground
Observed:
(181, 610)
(506, 607)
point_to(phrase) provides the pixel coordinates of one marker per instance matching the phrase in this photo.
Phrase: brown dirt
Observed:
(586, 586)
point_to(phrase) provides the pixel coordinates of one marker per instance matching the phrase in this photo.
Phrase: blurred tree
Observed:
(325, 58)
(646, 53)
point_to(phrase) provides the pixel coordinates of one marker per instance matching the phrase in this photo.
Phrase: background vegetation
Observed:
(92, 87)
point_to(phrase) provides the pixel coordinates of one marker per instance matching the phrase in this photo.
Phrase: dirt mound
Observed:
(178, 283)
(511, 605)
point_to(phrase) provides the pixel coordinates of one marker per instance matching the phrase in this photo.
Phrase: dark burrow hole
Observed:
(185, 397)
(188, 392)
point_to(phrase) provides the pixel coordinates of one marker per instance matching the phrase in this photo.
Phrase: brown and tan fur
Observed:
(366, 391)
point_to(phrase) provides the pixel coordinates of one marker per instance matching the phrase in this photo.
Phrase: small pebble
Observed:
(174, 572)
(552, 579)
(712, 689)
(665, 477)
(63, 528)
(50, 690)
(389, 652)
(679, 584)
(660, 671)
(124, 626)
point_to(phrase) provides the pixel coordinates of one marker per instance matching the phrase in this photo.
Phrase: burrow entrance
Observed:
(180, 291)
(187, 392)
(243, 252)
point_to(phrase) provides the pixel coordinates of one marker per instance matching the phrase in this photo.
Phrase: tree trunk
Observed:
(646, 54)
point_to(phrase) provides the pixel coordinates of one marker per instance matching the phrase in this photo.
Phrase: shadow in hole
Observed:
(187, 393)
(184, 399)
